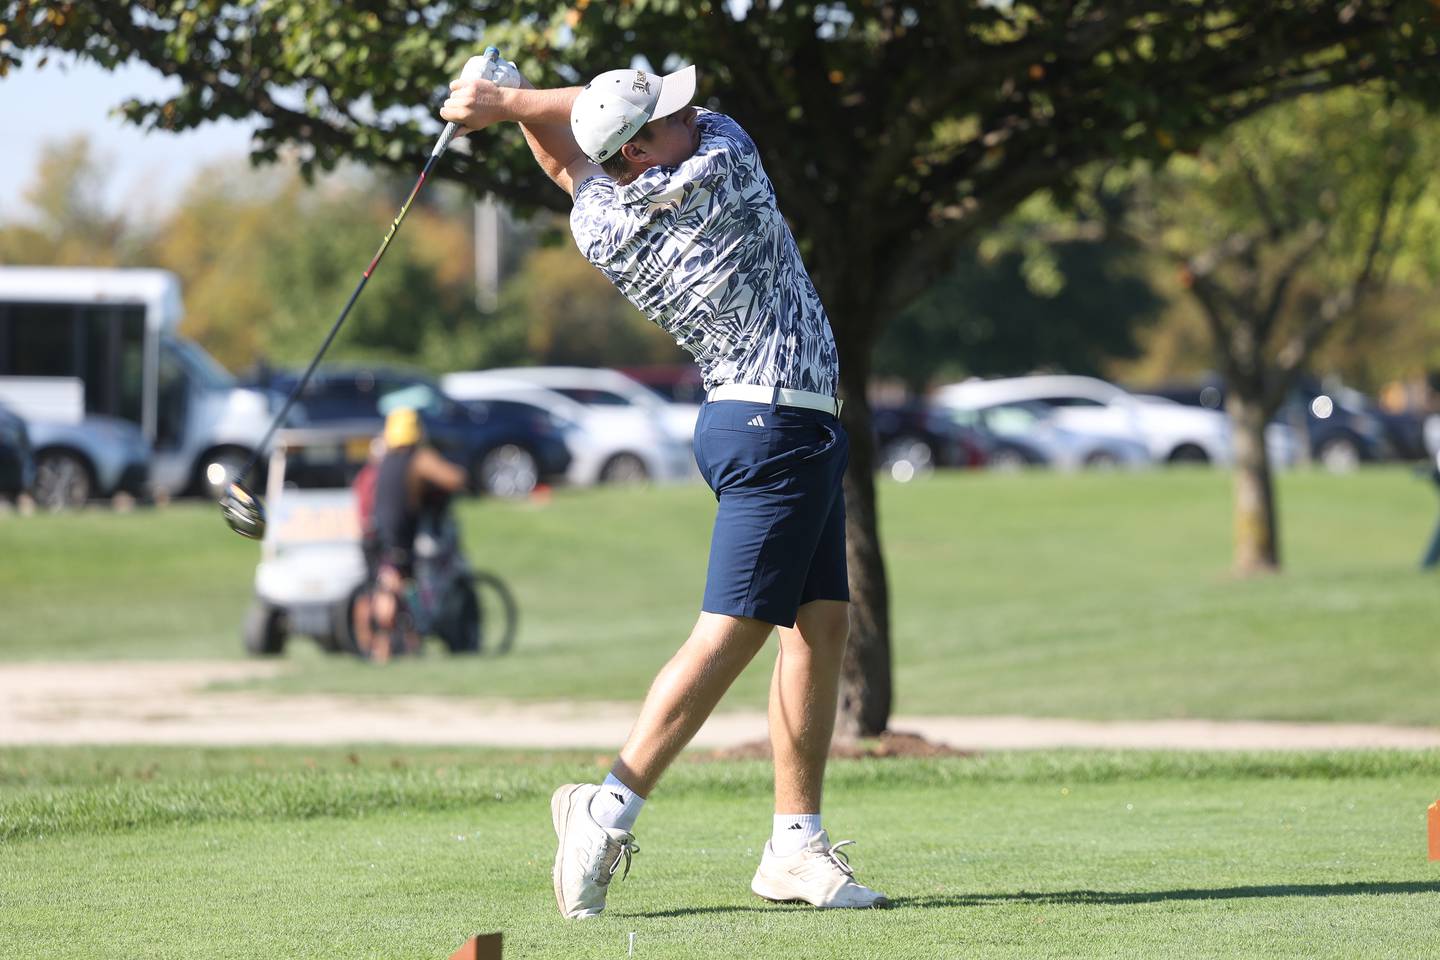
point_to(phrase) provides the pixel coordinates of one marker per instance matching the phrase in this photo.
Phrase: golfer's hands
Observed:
(474, 104)
(477, 103)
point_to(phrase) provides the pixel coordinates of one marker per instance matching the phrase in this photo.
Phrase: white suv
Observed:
(1173, 433)
(613, 441)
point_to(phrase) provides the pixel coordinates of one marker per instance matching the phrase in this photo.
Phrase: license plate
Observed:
(323, 453)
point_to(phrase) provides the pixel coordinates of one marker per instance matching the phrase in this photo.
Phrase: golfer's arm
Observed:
(544, 117)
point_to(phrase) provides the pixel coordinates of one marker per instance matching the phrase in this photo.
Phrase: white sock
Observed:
(792, 831)
(616, 805)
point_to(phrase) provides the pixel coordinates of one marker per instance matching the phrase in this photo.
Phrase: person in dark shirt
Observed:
(411, 477)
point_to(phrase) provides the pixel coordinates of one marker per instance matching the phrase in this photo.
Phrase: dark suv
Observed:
(1343, 427)
(922, 437)
(508, 447)
(17, 460)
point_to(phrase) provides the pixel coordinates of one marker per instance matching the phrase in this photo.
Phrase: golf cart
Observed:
(311, 564)
(312, 568)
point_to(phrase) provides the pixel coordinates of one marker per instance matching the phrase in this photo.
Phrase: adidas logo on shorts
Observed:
(755, 421)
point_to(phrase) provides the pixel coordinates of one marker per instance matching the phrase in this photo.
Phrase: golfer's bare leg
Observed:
(685, 692)
(804, 691)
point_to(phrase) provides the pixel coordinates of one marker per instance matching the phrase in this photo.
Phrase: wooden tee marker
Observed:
(1434, 820)
(485, 946)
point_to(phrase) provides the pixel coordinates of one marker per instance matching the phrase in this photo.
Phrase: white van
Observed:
(117, 332)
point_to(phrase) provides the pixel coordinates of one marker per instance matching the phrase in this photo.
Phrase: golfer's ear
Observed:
(634, 152)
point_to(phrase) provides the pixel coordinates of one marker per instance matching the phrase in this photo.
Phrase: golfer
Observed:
(672, 204)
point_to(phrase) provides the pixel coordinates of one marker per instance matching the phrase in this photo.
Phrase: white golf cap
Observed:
(615, 105)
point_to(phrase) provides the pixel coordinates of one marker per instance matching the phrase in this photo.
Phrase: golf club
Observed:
(240, 507)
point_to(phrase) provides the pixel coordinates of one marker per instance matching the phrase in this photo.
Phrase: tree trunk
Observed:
(865, 684)
(1257, 544)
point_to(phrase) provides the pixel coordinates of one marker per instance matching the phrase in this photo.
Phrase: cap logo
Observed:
(641, 84)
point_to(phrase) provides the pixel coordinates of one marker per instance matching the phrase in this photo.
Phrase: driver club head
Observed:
(242, 510)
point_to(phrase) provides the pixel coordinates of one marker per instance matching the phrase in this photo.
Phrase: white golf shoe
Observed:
(818, 874)
(589, 854)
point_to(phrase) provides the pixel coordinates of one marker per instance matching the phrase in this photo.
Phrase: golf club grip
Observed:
(474, 70)
(450, 130)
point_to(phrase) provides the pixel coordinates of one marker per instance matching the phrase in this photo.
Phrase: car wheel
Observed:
(1188, 453)
(62, 480)
(1339, 455)
(1101, 460)
(1007, 459)
(508, 471)
(624, 468)
(264, 630)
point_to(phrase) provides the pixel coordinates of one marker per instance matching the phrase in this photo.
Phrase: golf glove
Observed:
(503, 73)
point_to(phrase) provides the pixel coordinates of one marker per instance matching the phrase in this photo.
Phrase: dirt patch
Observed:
(137, 702)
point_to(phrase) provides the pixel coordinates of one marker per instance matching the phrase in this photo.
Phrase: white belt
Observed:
(754, 393)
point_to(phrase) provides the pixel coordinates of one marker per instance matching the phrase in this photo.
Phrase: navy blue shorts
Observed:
(779, 539)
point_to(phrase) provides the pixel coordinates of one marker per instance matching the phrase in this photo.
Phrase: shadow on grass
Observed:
(1105, 897)
(1096, 897)
(698, 911)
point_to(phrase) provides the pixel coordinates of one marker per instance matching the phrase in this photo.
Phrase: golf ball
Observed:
(215, 473)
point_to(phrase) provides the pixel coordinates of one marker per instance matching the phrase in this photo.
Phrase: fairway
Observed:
(1102, 596)
(376, 853)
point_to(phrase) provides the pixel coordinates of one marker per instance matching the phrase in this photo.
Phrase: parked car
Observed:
(610, 389)
(673, 382)
(1347, 428)
(619, 438)
(96, 457)
(1341, 427)
(914, 438)
(17, 459)
(1172, 432)
(506, 449)
(116, 333)
(1026, 433)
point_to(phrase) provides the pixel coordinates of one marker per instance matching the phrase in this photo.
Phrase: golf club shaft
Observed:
(335, 328)
(475, 66)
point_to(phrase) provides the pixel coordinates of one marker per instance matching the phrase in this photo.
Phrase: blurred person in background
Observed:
(410, 480)
(1432, 552)
(364, 487)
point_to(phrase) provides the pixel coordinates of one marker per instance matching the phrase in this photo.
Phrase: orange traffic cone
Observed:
(485, 946)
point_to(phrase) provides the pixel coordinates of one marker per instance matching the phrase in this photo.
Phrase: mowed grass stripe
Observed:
(54, 792)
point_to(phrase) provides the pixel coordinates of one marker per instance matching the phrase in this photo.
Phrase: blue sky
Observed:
(39, 105)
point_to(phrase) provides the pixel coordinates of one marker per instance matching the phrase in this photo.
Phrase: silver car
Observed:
(96, 457)
(1034, 423)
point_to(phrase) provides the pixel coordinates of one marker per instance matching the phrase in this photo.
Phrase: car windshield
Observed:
(593, 397)
(1014, 419)
(416, 396)
(202, 367)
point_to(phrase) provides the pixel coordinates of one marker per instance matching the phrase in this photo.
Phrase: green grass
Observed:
(1101, 596)
(382, 853)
